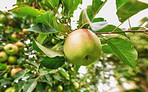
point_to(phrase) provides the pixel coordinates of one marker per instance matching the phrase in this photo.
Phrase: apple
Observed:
(3, 56)
(76, 85)
(82, 47)
(14, 35)
(11, 49)
(60, 88)
(15, 70)
(12, 59)
(20, 45)
(10, 89)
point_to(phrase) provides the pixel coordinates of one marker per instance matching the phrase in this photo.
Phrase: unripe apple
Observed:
(10, 89)
(15, 70)
(76, 85)
(11, 49)
(60, 88)
(20, 45)
(3, 56)
(12, 59)
(14, 35)
(82, 47)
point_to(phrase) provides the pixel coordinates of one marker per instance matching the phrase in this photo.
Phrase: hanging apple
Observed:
(3, 56)
(82, 47)
(15, 70)
(11, 49)
(20, 45)
(12, 59)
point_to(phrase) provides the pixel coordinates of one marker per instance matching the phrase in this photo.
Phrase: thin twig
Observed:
(117, 27)
(141, 31)
(129, 24)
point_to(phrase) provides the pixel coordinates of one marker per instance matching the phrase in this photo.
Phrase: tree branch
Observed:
(141, 31)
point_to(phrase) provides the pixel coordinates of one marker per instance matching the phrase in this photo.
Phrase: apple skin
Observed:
(15, 70)
(3, 56)
(20, 45)
(76, 85)
(10, 89)
(14, 35)
(82, 47)
(12, 59)
(11, 49)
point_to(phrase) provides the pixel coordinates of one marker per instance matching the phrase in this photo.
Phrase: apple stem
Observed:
(86, 57)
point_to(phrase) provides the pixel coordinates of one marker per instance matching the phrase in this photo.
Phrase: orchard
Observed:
(42, 49)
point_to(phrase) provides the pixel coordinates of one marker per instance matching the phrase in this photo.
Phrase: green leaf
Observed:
(48, 19)
(27, 10)
(57, 77)
(20, 60)
(67, 6)
(125, 50)
(75, 5)
(30, 85)
(64, 73)
(41, 28)
(2, 66)
(96, 6)
(52, 4)
(33, 63)
(107, 49)
(48, 52)
(41, 38)
(40, 87)
(127, 8)
(19, 86)
(110, 28)
(53, 63)
(48, 79)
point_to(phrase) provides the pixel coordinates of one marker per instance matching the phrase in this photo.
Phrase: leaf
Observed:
(19, 86)
(48, 52)
(48, 79)
(110, 28)
(107, 49)
(41, 28)
(33, 63)
(48, 19)
(20, 60)
(57, 77)
(125, 50)
(67, 6)
(75, 5)
(30, 85)
(96, 5)
(52, 4)
(2, 66)
(128, 8)
(64, 73)
(41, 38)
(53, 63)
(40, 87)
(27, 10)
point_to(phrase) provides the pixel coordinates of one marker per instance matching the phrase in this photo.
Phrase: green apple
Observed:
(14, 35)
(20, 45)
(15, 70)
(76, 85)
(82, 47)
(10, 89)
(3, 56)
(60, 88)
(11, 49)
(12, 59)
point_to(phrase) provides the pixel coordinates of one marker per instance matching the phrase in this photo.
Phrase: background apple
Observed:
(14, 35)
(15, 70)
(3, 56)
(12, 59)
(82, 47)
(60, 88)
(76, 85)
(11, 49)
(20, 45)
(10, 89)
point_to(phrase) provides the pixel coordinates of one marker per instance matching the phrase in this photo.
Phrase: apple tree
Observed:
(40, 52)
